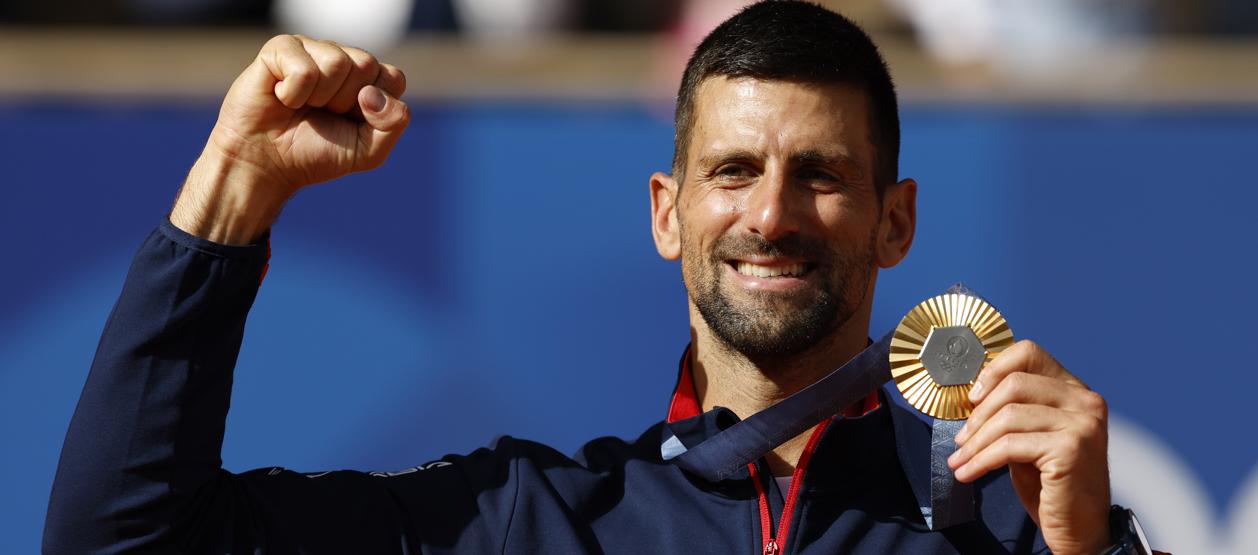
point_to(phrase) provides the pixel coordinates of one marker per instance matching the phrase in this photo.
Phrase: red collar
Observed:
(685, 403)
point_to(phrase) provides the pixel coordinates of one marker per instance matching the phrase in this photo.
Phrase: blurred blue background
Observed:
(497, 276)
(1087, 166)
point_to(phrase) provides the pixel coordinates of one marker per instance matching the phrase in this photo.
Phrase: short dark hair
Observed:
(790, 40)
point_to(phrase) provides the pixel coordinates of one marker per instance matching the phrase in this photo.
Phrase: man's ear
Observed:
(899, 223)
(664, 225)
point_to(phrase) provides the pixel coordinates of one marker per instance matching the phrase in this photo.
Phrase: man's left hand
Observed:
(1052, 431)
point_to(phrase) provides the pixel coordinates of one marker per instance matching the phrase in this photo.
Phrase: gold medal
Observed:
(939, 348)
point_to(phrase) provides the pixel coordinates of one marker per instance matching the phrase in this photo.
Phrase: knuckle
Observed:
(1096, 403)
(1017, 381)
(301, 71)
(994, 420)
(1025, 443)
(1004, 443)
(1013, 411)
(1029, 347)
(1091, 428)
(363, 59)
(334, 61)
(278, 40)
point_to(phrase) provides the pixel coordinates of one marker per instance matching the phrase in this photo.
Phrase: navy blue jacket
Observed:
(140, 470)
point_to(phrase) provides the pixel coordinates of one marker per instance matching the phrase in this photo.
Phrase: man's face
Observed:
(777, 212)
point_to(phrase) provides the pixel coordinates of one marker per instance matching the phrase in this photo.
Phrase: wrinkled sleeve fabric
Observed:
(140, 470)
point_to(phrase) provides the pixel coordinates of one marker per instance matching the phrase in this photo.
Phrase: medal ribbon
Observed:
(951, 502)
(728, 452)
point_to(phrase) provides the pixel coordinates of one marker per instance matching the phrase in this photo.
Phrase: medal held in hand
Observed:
(939, 348)
(935, 355)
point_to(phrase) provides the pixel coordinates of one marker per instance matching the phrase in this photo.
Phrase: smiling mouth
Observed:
(769, 271)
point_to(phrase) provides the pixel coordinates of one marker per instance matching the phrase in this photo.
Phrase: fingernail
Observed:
(960, 437)
(954, 458)
(976, 392)
(374, 100)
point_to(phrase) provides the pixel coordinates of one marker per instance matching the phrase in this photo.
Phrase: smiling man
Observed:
(783, 204)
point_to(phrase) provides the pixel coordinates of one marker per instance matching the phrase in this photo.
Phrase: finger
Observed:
(386, 119)
(1029, 447)
(1021, 387)
(294, 72)
(1013, 418)
(365, 70)
(1023, 356)
(334, 66)
(392, 80)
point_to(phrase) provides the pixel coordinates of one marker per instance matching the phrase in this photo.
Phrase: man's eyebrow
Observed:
(848, 165)
(720, 157)
(805, 157)
(824, 158)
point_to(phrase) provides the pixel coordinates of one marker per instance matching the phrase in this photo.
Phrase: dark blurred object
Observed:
(433, 15)
(63, 11)
(137, 12)
(1154, 17)
(199, 12)
(1238, 17)
(1217, 17)
(627, 15)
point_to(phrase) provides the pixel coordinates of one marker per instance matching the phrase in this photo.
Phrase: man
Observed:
(783, 204)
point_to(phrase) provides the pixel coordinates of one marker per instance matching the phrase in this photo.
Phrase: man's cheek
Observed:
(693, 274)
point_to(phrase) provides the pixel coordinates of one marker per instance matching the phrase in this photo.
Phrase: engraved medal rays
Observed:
(939, 348)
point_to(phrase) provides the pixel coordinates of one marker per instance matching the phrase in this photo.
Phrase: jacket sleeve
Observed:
(140, 470)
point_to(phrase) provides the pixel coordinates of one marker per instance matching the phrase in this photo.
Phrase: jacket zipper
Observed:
(773, 543)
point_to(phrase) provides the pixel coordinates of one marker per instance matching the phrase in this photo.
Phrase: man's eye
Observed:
(821, 180)
(817, 175)
(733, 171)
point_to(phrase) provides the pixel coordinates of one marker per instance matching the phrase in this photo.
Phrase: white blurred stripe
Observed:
(1170, 500)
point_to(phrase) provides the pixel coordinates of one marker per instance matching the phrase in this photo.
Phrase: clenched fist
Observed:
(305, 111)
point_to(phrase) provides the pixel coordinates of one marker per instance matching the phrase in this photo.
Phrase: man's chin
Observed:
(769, 331)
(776, 305)
(765, 344)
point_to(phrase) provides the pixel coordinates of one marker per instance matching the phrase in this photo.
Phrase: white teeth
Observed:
(749, 269)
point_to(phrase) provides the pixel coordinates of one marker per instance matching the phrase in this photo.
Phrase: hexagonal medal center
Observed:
(953, 355)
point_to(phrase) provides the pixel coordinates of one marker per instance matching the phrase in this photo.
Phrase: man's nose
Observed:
(771, 210)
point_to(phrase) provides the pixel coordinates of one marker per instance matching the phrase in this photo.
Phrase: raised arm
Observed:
(304, 112)
(140, 470)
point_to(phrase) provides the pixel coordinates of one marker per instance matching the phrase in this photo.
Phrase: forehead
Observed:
(780, 117)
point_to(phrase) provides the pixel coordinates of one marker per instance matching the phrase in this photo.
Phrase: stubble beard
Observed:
(764, 326)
